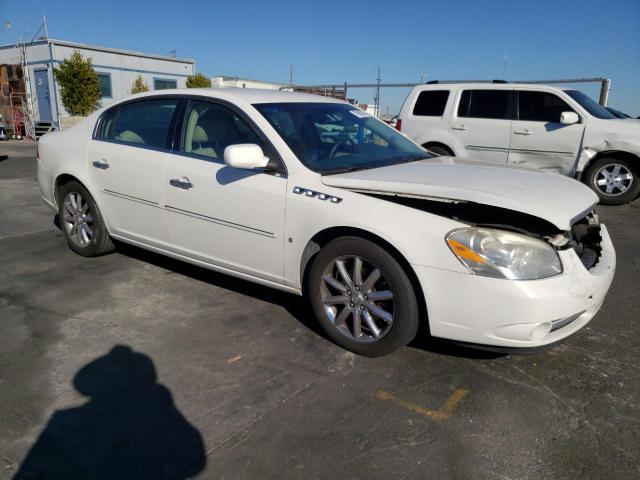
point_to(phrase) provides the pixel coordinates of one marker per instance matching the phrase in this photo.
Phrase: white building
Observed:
(238, 82)
(117, 69)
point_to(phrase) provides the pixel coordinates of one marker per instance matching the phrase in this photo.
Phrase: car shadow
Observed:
(129, 428)
(296, 306)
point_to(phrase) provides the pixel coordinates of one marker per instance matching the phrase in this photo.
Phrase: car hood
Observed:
(555, 198)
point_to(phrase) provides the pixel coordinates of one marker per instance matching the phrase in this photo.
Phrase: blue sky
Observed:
(337, 41)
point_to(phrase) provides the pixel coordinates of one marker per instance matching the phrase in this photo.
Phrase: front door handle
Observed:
(101, 164)
(523, 132)
(458, 127)
(183, 183)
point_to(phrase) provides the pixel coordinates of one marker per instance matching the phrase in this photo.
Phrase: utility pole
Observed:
(291, 75)
(46, 31)
(423, 77)
(173, 52)
(377, 99)
(504, 66)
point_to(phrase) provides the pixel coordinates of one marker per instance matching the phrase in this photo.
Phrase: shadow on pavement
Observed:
(297, 306)
(130, 428)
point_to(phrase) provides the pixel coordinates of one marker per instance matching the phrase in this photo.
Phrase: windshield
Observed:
(336, 137)
(590, 105)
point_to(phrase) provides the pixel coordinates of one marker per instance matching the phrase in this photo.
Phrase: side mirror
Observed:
(245, 155)
(569, 118)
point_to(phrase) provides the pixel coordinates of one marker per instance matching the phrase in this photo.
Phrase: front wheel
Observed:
(362, 297)
(614, 180)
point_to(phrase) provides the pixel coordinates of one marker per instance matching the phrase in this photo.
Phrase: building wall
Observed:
(237, 82)
(122, 67)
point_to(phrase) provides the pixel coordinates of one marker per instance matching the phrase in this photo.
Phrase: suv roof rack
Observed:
(435, 82)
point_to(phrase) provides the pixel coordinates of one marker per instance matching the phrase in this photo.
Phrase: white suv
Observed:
(534, 126)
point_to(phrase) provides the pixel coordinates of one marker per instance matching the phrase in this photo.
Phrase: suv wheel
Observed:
(614, 180)
(81, 222)
(362, 297)
(440, 150)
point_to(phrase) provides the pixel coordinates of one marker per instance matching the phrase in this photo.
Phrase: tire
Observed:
(601, 176)
(338, 302)
(79, 215)
(440, 150)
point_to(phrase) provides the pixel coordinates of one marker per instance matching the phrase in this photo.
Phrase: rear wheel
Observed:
(439, 150)
(362, 297)
(82, 222)
(614, 180)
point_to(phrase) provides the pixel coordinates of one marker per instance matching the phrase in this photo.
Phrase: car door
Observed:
(482, 123)
(229, 217)
(538, 139)
(127, 159)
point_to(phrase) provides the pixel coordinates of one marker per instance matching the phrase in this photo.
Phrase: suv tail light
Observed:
(399, 124)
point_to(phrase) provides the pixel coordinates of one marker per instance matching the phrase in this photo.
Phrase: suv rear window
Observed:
(485, 104)
(431, 103)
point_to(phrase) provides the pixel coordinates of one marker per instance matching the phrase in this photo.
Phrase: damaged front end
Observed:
(584, 236)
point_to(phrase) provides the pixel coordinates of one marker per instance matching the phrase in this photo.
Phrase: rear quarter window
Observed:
(492, 104)
(431, 103)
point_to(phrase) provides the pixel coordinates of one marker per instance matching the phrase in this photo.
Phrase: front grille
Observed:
(586, 240)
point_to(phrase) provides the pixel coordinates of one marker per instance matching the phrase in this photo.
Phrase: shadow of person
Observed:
(129, 428)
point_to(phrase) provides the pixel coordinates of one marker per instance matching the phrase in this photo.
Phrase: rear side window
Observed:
(143, 123)
(431, 103)
(485, 104)
(541, 107)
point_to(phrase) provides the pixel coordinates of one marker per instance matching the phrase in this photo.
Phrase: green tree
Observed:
(79, 85)
(139, 85)
(198, 81)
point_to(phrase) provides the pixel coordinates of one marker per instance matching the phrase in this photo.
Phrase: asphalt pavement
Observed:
(132, 365)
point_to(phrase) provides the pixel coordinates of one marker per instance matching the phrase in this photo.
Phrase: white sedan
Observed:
(312, 196)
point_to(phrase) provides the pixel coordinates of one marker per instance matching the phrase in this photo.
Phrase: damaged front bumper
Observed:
(508, 314)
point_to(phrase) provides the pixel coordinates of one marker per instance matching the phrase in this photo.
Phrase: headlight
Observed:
(502, 254)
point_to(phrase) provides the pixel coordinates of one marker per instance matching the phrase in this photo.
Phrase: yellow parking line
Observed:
(438, 415)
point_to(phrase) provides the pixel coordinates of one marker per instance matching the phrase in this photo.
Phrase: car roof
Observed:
(246, 95)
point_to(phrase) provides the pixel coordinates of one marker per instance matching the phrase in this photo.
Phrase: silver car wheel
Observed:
(613, 179)
(77, 219)
(357, 299)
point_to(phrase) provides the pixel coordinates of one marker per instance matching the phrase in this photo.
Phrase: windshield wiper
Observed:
(354, 168)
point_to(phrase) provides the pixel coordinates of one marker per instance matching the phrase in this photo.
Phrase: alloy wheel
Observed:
(613, 179)
(357, 299)
(77, 219)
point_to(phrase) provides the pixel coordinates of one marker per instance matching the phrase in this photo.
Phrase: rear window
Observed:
(484, 104)
(145, 123)
(431, 103)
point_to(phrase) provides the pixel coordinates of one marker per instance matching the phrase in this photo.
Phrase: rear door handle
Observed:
(523, 132)
(183, 183)
(458, 127)
(101, 164)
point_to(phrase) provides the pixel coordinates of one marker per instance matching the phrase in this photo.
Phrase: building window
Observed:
(105, 85)
(163, 84)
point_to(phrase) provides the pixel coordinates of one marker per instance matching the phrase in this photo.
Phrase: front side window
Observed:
(209, 128)
(590, 105)
(335, 137)
(431, 103)
(105, 85)
(541, 106)
(485, 104)
(163, 84)
(145, 123)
